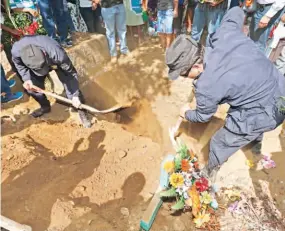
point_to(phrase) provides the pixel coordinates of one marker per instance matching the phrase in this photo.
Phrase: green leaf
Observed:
(177, 163)
(168, 193)
(183, 151)
(179, 205)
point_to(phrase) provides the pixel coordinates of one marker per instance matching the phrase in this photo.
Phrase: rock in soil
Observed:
(122, 154)
(10, 157)
(125, 212)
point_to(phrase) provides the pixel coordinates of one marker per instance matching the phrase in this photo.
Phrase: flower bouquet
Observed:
(25, 24)
(190, 188)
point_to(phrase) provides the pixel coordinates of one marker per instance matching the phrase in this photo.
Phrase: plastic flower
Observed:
(201, 219)
(169, 166)
(185, 166)
(202, 184)
(196, 165)
(176, 180)
(206, 198)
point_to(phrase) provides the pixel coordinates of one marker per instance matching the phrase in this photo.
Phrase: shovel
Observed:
(84, 106)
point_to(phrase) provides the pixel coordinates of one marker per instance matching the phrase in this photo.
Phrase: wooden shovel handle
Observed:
(84, 106)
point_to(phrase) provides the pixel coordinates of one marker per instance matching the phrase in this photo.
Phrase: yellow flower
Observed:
(201, 219)
(169, 166)
(176, 180)
(205, 198)
(249, 163)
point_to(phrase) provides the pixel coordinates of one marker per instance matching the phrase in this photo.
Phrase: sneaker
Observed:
(66, 44)
(40, 111)
(12, 83)
(7, 98)
(114, 59)
(84, 119)
(127, 54)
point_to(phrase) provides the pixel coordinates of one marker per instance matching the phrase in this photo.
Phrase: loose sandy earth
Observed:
(58, 176)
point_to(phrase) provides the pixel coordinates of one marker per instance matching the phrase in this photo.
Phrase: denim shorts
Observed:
(165, 21)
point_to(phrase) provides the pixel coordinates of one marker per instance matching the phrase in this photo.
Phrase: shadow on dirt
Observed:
(23, 190)
(113, 215)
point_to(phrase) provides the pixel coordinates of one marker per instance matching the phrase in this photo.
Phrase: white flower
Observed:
(179, 190)
(196, 175)
(185, 195)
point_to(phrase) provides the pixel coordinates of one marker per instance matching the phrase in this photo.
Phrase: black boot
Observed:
(40, 111)
(256, 148)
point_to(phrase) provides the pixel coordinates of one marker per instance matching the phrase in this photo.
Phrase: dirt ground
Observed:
(58, 176)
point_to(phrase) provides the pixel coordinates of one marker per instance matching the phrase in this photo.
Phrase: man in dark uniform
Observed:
(34, 57)
(233, 71)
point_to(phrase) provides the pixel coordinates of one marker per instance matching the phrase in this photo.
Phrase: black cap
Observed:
(34, 59)
(181, 55)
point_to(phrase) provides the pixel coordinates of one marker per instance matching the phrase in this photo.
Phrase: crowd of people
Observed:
(62, 19)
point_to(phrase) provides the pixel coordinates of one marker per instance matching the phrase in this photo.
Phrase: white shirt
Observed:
(276, 6)
(85, 3)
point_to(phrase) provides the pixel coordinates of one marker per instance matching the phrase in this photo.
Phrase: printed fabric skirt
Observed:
(165, 21)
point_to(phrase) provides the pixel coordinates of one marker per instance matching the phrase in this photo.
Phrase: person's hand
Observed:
(28, 85)
(76, 102)
(16, 32)
(264, 22)
(184, 109)
(33, 12)
(283, 18)
(94, 6)
(215, 3)
(96, 1)
(175, 13)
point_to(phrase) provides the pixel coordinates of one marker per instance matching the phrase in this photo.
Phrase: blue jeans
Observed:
(4, 83)
(68, 17)
(115, 17)
(210, 17)
(92, 19)
(54, 9)
(260, 35)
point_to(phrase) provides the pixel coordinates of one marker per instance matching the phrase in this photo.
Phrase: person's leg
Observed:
(47, 16)
(199, 23)
(169, 27)
(6, 94)
(260, 35)
(87, 15)
(5, 88)
(190, 15)
(224, 144)
(121, 27)
(214, 16)
(161, 27)
(68, 17)
(60, 18)
(66, 79)
(39, 97)
(108, 15)
(98, 27)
